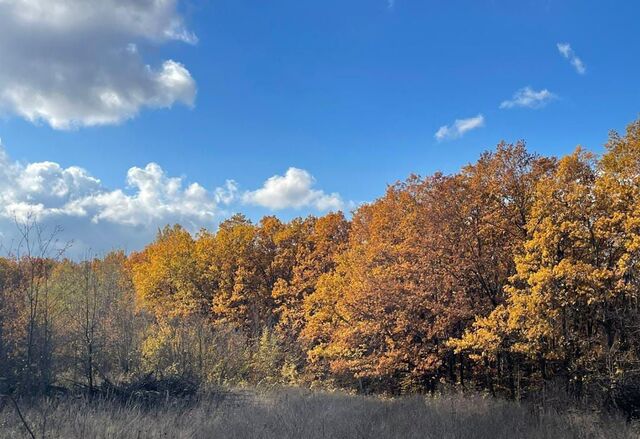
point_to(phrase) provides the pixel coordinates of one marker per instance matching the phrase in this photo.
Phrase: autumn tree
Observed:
(96, 321)
(168, 283)
(571, 308)
(422, 262)
(386, 314)
(36, 252)
(12, 324)
(165, 274)
(311, 247)
(516, 272)
(235, 262)
(123, 326)
(487, 226)
(78, 326)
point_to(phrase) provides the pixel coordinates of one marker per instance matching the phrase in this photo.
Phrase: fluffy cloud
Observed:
(77, 63)
(567, 52)
(459, 128)
(292, 190)
(156, 199)
(97, 217)
(47, 190)
(529, 98)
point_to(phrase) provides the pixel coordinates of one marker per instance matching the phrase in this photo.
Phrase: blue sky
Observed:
(350, 92)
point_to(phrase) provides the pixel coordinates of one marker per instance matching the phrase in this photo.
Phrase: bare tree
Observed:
(35, 251)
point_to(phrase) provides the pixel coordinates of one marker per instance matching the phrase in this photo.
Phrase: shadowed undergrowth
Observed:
(302, 414)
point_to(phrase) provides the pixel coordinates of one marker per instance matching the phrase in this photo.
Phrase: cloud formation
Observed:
(99, 218)
(292, 190)
(73, 63)
(529, 98)
(459, 128)
(47, 190)
(568, 53)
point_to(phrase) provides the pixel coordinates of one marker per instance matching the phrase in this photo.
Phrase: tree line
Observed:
(518, 272)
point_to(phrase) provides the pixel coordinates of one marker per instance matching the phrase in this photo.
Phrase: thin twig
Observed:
(24, 421)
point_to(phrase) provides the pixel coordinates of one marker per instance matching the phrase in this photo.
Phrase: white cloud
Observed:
(292, 190)
(101, 218)
(529, 98)
(568, 53)
(74, 63)
(156, 199)
(48, 190)
(227, 193)
(459, 128)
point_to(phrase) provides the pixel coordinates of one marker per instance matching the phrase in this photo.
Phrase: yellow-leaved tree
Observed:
(572, 308)
(168, 284)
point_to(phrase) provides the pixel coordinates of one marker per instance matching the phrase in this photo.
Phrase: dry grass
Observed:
(302, 414)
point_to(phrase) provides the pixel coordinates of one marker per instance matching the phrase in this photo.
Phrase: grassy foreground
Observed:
(302, 414)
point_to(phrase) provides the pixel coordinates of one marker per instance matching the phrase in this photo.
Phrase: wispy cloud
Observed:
(527, 97)
(568, 53)
(391, 4)
(458, 128)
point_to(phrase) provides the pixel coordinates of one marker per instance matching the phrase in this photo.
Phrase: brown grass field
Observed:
(304, 414)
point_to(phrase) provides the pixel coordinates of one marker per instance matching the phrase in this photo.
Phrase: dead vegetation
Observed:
(303, 414)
